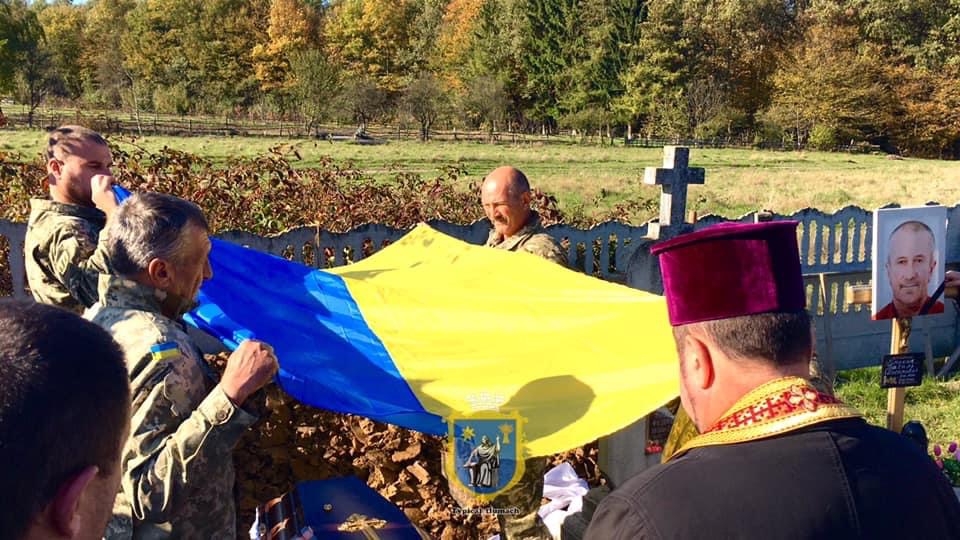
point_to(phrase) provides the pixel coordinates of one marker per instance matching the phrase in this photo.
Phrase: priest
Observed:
(775, 458)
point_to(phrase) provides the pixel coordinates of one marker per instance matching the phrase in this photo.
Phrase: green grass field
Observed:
(935, 404)
(588, 178)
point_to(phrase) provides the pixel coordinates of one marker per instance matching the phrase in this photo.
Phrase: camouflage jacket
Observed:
(177, 464)
(63, 256)
(532, 238)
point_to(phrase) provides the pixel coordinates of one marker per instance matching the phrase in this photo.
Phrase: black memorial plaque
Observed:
(901, 370)
(658, 428)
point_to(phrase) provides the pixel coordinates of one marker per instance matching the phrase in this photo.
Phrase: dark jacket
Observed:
(839, 479)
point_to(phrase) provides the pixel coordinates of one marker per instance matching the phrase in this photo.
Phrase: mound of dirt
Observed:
(293, 442)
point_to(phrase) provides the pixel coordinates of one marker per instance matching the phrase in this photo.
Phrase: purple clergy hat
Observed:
(732, 269)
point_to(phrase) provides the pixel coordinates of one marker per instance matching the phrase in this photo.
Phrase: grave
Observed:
(623, 454)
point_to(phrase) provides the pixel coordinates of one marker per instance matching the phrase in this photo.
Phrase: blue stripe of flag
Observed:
(163, 347)
(329, 356)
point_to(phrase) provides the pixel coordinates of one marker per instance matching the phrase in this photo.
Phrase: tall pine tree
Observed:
(551, 36)
(594, 79)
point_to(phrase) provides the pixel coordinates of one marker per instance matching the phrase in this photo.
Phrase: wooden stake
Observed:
(899, 338)
(827, 365)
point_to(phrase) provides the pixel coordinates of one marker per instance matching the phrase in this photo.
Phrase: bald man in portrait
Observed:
(911, 263)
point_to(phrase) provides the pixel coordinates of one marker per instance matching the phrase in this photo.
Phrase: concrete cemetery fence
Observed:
(837, 245)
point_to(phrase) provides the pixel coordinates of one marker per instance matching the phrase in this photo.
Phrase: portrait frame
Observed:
(886, 222)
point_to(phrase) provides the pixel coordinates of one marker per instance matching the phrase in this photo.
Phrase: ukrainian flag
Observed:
(164, 351)
(431, 327)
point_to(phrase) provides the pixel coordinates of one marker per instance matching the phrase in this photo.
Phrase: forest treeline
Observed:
(804, 73)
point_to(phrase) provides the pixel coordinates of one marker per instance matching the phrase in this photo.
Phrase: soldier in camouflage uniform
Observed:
(532, 238)
(177, 478)
(505, 195)
(63, 259)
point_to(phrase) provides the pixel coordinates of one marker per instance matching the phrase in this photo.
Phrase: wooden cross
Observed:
(673, 179)
(362, 524)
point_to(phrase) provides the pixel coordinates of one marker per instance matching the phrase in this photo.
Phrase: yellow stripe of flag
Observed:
(576, 356)
(164, 351)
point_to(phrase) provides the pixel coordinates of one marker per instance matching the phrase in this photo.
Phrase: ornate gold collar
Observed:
(779, 406)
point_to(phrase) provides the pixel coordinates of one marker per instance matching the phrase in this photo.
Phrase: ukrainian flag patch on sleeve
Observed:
(164, 351)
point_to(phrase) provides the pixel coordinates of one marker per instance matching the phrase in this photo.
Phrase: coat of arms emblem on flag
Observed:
(486, 456)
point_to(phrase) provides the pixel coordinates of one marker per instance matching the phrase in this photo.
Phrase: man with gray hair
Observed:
(177, 479)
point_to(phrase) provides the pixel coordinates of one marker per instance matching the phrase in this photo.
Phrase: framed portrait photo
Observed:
(909, 249)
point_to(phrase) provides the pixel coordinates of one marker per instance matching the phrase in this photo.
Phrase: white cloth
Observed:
(565, 490)
(258, 531)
